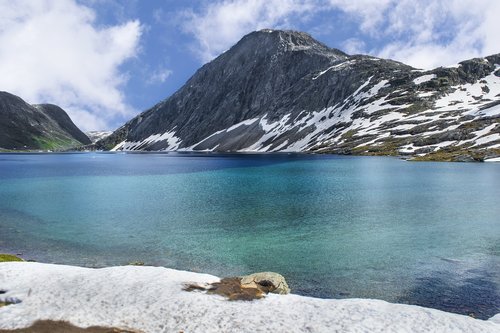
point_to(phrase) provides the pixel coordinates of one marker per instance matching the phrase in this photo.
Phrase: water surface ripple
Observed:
(418, 233)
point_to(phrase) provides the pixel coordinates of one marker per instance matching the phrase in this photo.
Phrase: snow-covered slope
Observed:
(95, 136)
(285, 91)
(151, 299)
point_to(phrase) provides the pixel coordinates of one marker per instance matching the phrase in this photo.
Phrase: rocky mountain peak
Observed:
(280, 90)
(278, 42)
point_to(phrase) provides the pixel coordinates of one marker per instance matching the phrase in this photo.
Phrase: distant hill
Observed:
(95, 136)
(36, 127)
(285, 91)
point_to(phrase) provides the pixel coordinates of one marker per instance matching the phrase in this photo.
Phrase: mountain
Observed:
(284, 91)
(32, 127)
(95, 136)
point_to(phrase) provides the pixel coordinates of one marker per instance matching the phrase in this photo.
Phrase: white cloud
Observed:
(425, 33)
(354, 46)
(54, 52)
(435, 33)
(221, 24)
(428, 33)
(370, 12)
(159, 76)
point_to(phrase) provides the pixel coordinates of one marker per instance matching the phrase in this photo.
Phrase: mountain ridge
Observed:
(280, 90)
(36, 127)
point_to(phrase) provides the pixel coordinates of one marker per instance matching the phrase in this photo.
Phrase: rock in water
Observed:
(266, 281)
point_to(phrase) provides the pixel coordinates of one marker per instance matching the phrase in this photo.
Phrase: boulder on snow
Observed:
(245, 288)
(267, 282)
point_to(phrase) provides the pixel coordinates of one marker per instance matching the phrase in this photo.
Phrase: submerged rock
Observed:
(269, 281)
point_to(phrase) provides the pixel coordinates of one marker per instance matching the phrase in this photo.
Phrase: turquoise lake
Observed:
(335, 227)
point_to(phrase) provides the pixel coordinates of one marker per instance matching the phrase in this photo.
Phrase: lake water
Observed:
(335, 227)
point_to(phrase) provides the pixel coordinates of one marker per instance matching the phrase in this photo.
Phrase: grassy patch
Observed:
(136, 263)
(458, 154)
(56, 143)
(414, 108)
(9, 257)
(385, 148)
(348, 135)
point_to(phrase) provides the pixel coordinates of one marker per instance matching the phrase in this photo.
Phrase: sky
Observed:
(105, 61)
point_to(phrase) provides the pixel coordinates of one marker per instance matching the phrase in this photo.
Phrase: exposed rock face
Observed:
(43, 126)
(285, 91)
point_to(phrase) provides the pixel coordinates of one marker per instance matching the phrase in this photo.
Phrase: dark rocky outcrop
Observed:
(36, 127)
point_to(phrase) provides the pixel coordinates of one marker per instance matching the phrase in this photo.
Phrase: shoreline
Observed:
(151, 299)
(405, 157)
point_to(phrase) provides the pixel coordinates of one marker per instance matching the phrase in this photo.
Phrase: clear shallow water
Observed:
(418, 233)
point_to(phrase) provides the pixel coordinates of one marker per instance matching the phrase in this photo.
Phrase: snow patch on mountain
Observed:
(424, 78)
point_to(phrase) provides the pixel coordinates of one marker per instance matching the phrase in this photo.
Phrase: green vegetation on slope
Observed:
(9, 257)
(56, 143)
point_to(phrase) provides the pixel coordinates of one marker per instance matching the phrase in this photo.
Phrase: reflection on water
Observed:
(477, 295)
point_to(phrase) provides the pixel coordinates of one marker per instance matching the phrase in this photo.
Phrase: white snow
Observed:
(424, 78)
(334, 67)
(150, 299)
(272, 129)
(247, 122)
(403, 127)
(313, 127)
(487, 138)
(471, 96)
(361, 87)
(407, 148)
(478, 134)
(118, 146)
(490, 112)
(496, 159)
(442, 144)
(426, 94)
(172, 141)
(370, 93)
(95, 136)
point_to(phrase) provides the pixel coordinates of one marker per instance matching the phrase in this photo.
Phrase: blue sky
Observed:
(105, 61)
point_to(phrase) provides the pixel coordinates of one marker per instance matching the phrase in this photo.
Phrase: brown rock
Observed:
(267, 282)
(245, 288)
(50, 326)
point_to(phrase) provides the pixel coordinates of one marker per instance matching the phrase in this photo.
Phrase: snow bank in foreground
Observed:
(150, 299)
